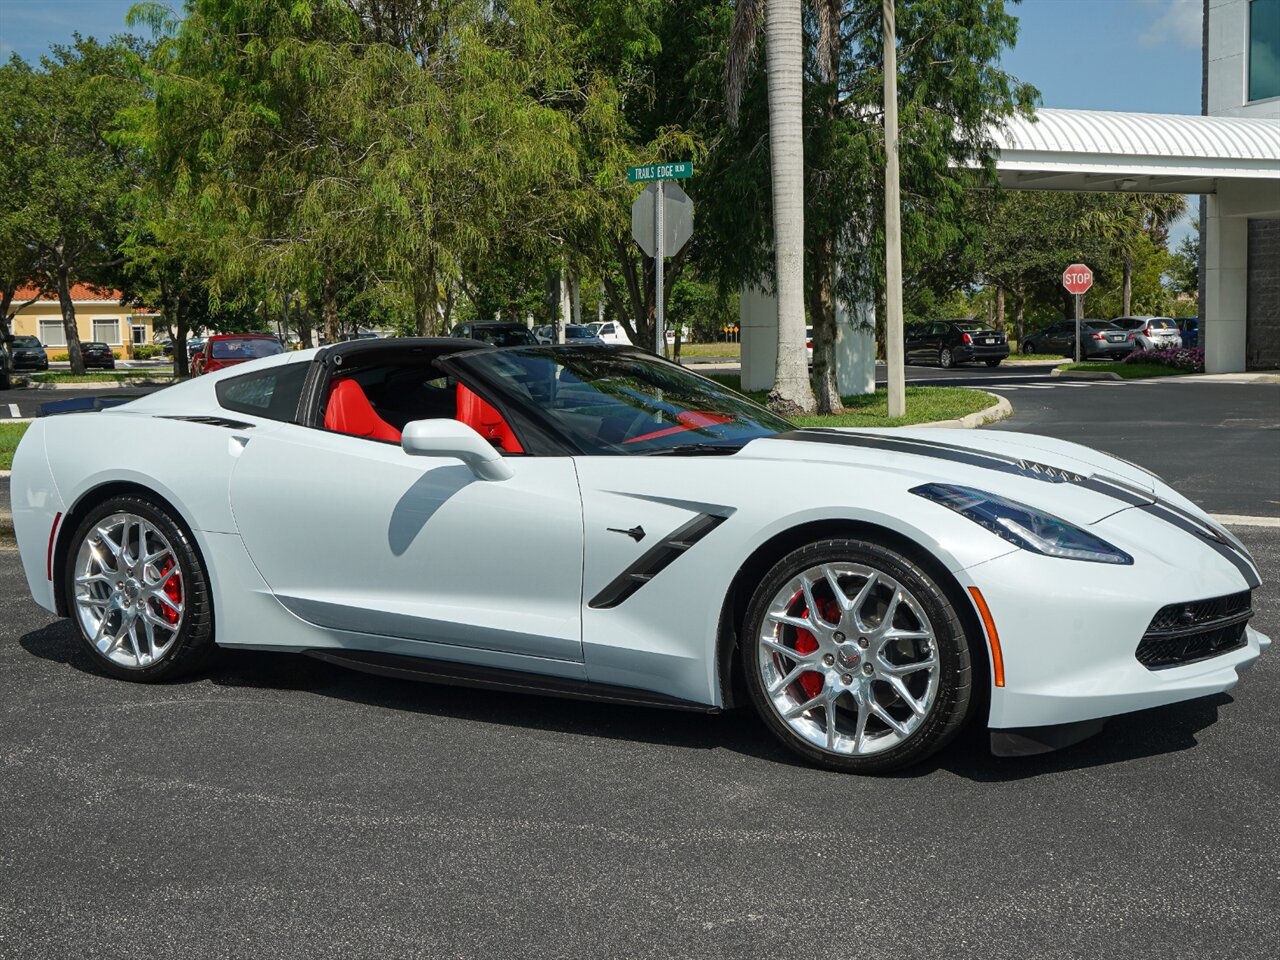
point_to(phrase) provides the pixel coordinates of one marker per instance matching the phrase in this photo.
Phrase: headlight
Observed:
(1019, 524)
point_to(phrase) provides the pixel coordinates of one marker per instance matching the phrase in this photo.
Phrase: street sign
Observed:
(1077, 278)
(661, 171)
(677, 219)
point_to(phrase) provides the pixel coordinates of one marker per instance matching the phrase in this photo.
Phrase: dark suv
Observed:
(948, 342)
(497, 334)
(1098, 339)
(27, 353)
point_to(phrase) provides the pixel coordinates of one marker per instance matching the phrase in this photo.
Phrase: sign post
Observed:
(661, 225)
(1077, 279)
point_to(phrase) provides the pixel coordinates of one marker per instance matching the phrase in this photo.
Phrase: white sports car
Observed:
(600, 523)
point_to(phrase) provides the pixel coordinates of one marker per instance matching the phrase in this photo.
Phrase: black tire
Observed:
(193, 647)
(951, 705)
(993, 363)
(946, 359)
(1027, 347)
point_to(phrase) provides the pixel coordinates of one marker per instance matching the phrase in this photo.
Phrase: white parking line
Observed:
(13, 411)
(1235, 520)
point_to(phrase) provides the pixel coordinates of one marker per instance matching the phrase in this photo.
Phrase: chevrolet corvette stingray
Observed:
(600, 523)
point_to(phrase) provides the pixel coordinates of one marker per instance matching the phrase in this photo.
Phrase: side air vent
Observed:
(656, 559)
(211, 421)
(1183, 633)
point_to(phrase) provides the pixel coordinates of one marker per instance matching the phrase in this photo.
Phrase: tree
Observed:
(784, 45)
(951, 94)
(77, 182)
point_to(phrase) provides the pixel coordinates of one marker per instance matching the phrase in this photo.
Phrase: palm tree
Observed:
(784, 50)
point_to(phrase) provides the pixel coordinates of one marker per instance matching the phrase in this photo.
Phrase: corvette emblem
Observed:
(847, 657)
(636, 533)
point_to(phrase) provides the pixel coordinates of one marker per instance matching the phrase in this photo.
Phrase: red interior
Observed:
(485, 420)
(349, 411)
(687, 420)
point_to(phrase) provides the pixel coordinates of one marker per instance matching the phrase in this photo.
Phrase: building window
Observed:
(108, 331)
(139, 335)
(1264, 49)
(52, 333)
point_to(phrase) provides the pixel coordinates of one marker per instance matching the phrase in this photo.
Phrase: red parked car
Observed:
(228, 349)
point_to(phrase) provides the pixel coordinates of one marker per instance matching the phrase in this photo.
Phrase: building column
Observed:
(1224, 305)
(758, 327)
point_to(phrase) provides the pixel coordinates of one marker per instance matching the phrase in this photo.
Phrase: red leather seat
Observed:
(349, 411)
(485, 420)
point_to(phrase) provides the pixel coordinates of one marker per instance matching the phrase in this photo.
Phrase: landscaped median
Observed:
(55, 379)
(10, 434)
(924, 405)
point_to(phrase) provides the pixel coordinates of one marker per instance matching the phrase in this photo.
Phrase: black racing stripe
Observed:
(1224, 549)
(1111, 487)
(656, 559)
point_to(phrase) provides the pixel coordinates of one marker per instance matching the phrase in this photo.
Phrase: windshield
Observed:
(974, 326)
(95, 346)
(1161, 324)
(1098, 325)
(573, 332)
(246, 349)
(26, 342)
(622, 401)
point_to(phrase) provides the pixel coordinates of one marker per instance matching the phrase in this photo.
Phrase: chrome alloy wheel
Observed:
(129, 591)
(848, 659)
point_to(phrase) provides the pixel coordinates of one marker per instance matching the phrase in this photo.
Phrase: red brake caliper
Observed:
(811, 681)
(172, 590)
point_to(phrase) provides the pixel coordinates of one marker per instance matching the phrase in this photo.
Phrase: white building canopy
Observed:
(1102, 151)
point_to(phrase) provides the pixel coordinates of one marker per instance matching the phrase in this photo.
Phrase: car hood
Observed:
(1071, 481)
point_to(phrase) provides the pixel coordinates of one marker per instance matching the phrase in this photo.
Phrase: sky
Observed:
(1135, 55)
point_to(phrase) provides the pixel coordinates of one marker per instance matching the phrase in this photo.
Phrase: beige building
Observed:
(99, 317)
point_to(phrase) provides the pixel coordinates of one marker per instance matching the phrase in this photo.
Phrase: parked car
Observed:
(500, 508)
(27, 353)
(4, 362)
(1100, 339)
(610, 332)
(1151, 333)
(1190, 327)
(229, 349)
(949, 342)
(361, 335)
(808, 345)
(98, 354)
(496, 334)
(575, 334)
(194, 345)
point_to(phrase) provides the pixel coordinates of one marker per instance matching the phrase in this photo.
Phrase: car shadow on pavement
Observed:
(1129, 737)
(737, 730)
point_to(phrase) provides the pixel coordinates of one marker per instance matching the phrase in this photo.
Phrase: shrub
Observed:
(147, 351)
(1182, 358)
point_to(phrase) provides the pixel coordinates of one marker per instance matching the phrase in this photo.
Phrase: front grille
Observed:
(1183, 633)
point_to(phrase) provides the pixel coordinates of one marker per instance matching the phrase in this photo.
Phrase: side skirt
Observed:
(493, 678)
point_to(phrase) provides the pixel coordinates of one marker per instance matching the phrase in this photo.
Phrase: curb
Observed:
(1001, 410)
(101, 385)
(6, 526)
(1085, 374)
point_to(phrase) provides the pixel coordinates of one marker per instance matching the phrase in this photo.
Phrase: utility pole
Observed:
(892, 223)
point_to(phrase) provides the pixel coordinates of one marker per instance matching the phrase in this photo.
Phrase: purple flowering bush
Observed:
(1189, 359)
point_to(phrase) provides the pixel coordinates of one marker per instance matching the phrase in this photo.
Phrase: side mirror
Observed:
(449, 438)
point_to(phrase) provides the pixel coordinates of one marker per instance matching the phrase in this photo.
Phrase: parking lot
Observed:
(282, 807)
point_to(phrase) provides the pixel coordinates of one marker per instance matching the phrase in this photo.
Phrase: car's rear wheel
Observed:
(138, 592)
(993, 363)
(946, 359)
(1028, 347)
(855, 658)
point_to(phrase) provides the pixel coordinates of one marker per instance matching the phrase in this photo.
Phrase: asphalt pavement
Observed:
(280, 807)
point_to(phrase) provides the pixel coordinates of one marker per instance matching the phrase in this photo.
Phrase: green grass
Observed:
(710, 349)
(105, 376)
(924, 405)
(10, 434)
(1129, 371)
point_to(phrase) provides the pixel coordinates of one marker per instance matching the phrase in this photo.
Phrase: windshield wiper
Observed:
(693, 449)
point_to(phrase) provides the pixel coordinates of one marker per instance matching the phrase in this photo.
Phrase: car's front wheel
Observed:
(1028, 347)
(855, 658)
(993, 363)
(138, 592)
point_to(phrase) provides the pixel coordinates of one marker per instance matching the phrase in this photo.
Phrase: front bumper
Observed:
(30, 363)
(1069, 631)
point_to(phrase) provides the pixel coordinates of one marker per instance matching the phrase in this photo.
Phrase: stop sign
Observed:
(1077, 278)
